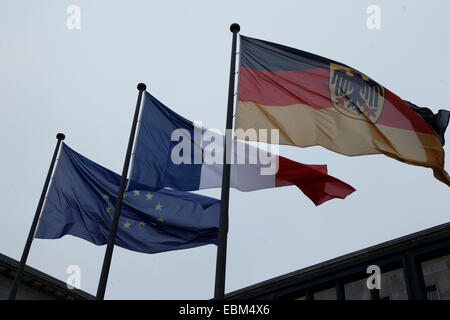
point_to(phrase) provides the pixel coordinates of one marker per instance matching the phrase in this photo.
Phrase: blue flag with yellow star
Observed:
(81, 203)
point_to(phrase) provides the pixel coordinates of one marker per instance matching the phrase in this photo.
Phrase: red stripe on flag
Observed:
(313, 180)
(311, 87)
(285, 88)
(398, 114)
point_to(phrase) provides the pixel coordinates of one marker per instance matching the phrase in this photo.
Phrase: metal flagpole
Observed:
(112, 235)
(138, 126)
(219, 290)
(26, 250)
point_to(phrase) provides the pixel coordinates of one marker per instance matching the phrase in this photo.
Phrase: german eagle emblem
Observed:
(354, 94)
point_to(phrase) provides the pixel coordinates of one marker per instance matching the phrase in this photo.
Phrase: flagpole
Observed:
(115, 222)
(26, 250)
(219, 290)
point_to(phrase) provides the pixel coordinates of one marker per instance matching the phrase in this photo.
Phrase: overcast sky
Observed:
(83, 83)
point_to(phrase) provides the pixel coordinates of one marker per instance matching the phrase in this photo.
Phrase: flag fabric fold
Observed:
(153, 163)
(81, 203)
(316, 101)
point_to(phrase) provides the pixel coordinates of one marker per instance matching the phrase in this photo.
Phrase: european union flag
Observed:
(81, 203)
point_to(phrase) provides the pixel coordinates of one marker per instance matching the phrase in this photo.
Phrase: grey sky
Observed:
(83, 83)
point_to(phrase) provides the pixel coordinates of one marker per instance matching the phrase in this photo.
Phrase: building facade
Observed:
(414, 267)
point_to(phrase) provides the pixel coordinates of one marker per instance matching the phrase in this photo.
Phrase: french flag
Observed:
(171, 151)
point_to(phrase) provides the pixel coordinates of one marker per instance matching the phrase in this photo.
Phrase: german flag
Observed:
(316, 101)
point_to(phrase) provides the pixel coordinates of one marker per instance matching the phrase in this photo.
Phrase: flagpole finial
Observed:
(60, 136)
(235, 27)
(141, 87)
